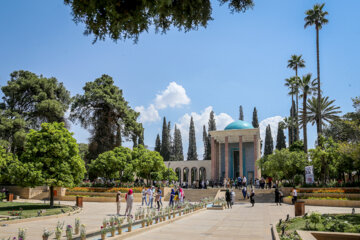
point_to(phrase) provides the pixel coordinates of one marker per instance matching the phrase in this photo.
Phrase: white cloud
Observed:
(173, 96)
(273, 121)
(149, 114)
(200, 119)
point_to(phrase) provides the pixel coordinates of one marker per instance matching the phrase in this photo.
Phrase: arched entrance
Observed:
(178, 173)
(186, 175)
(202, 174)
(194, 177)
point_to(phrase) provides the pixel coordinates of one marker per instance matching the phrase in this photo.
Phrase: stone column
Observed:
(213, 159)
(255, 156)
(240, 156)
(226, 157)
(218, 157)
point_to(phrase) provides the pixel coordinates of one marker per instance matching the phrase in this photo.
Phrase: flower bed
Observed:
(329, 190)
(100, 189)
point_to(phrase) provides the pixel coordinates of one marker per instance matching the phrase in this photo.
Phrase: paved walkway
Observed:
(240, 222)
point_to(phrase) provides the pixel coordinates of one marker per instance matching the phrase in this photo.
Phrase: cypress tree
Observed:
(212, 123)
(205, 140)
(178, 148)
(157, 144)
(280, 138)
(269, 145)
(241, 115)
(292, 125)
(211, 127)
(141, 137)
(165, 144)
(255, 121)
(192, 154)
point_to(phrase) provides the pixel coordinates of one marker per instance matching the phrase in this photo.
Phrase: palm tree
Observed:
(291, 83)
(307, 86)
(295, 62)
(329, 112)
(316, 16)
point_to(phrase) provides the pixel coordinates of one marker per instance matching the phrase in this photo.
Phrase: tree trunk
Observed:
(297, 107)
(305, 122)
(51, 197)
(318, 123)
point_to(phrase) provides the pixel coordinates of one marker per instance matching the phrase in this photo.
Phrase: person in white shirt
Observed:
(244, 181)
(232, 197)
(150, 193)
(294, 199)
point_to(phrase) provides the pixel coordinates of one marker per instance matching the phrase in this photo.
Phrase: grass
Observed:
(326, 222)
(31, 209)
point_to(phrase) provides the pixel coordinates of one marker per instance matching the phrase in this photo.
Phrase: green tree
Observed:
(269, 142)
(157, 144)
(296, 62)
(141, 137)
(178, 148)
(329, 112)
(116, 163)
(241, 113)
(35, 98)
(51, 158)
(103, 110)
(349, 160)
(292, 83)
(6, 159)
(120, 20)
(192, 154)
(205, 140)
(307, 86)
(316, 16)
(324, 158)
(255, 121)
(84, 151)
(297, 146)
(280, 138)
(211, 127)
(166, 142)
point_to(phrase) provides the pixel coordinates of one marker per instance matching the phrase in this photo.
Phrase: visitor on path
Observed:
(181, 195)
(157, 198)
(118, 203)
(239, 179)
(129, 197)
(252, 197)
(228, 198)
(294, 193)
(281, 197)
(244, 192)
(143, 197)
(172, 198)
(151, 194)
(277, 197)
(232, 197)
(176, 198)
(159, 189)
(244, 181)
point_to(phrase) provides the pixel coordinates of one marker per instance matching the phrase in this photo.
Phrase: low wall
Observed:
(102, 197)
(330, 203)
(25, 192)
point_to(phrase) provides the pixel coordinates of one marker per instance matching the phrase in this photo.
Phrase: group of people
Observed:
(129, 199)
(148, 195)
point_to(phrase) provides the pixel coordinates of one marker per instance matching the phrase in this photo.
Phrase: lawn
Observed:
(27, 210)
(317, 222)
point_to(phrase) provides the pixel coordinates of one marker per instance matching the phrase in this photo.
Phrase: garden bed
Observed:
(104, 190)
(335, 202)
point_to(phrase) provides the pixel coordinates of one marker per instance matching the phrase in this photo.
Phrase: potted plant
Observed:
(112, 221)
(112, 230)
(130, 222)
(69, 232)
(105, 222)
(103, 232)
(77, 226)
(119, 221)
(156, 219)
(22, 233)
(46, 234)
(148, 221)
(143, 223)
(58, 230)
(82, 232)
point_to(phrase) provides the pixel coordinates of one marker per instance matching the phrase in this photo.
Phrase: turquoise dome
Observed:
(238, 125)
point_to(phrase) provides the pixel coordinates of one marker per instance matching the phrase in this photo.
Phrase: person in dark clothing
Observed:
(277, 197)
(228, 198)
(252, 197)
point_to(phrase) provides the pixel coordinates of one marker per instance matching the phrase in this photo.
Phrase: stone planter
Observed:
(45, 238)
(82, 238)
(103, 236)
(173, 214)
(142, 224)
(112, 233)
(119, 230)
(57, 235)
(129, 228)
(77, 230)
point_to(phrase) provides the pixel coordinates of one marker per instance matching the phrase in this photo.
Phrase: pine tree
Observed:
(269, 145)
(255, 121)
(280, 138)
(292, 125)
(205, 140)
(241, 115)
(165, 144)
(212, 123)
(211, 127)
(192, 154)
(178, 148)
(208, 157)
(157, 144)
(171, 143)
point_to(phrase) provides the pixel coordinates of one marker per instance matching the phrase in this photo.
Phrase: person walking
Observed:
(150, 193)
(143, 197)
(244, 181)
(172, 198)
(118, 203)
(277, 197)
(129, 197)
(228, 198)
(244, 192)
(181, 195)
(232, 197)
(252, 197)
(294, 193)
(157, 198)
(159, 189)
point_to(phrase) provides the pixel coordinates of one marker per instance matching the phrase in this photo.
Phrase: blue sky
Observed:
(239, 59)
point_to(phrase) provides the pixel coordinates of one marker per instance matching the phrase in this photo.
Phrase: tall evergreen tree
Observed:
(157, 144)
(211, 127)
(241, 114)
(255, 121)
(269, 144)
(280, 138)
(141, 137)
(165, 144)
(178, 148)
(212, 122)
(205, 140)
(192, 154)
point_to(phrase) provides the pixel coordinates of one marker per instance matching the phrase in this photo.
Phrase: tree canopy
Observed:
(127, 19)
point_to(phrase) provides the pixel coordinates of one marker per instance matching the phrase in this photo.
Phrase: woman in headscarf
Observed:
(228, 198)
(172, 196)
(129, 197)
(277, 197)
(118, 202)
(181, 195)
(252, 197)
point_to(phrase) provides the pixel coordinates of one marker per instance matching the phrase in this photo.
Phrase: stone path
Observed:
(240, 222)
